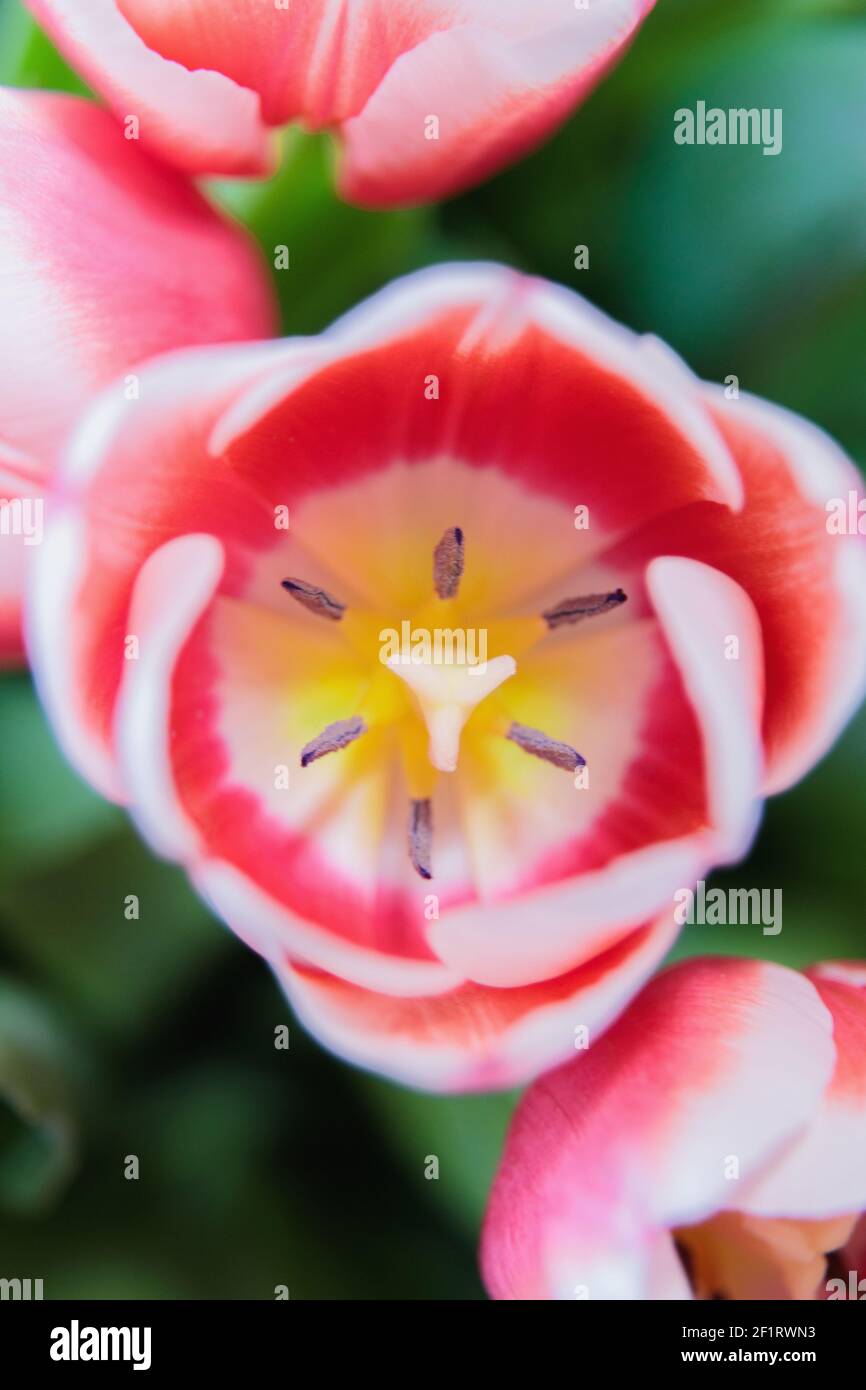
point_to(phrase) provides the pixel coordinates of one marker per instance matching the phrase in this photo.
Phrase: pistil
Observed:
(446, 697)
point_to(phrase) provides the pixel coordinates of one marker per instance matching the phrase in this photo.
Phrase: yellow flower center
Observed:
(433, 675)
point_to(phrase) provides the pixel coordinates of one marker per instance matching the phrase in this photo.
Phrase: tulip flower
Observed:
(711, 1145)
(106, 258)
(453, 862)
(426, 96)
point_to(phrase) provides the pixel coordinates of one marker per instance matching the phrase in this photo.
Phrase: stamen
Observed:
(574, 610)
(448, 560)
(549, 749)
(332, 739)
(314, 599)
(421, 836)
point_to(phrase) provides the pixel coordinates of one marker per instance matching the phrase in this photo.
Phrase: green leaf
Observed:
(72, 923)
(38, 1129)
(47, 813)
(714, 238)
(825, 818)
(27, 56)
(337, 254)
(745, 263)
(464, 1133)
(813, 928)
(822, 883)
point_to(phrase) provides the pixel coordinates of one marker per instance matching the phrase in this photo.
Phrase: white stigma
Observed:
(447, 695)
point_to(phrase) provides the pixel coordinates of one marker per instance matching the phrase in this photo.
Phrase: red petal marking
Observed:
(471, 1037)
(237, 827)
(491, 354)
(133, 461)
(198, 120)
(778, 548)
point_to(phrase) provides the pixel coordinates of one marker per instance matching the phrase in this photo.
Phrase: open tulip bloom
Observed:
(711, 1145)
(106, 257)
(425, 96)
(451, 855)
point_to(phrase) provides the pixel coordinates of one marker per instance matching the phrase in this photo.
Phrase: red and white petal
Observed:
(497, 85)
(206, 78)
(471, 1037)
(702, 614)
(323, 847)
(174, 588)
(13, 558)
(716, 1060)
(200, 121)
(443, 364)
(20, 487)
(285, 862)
(811, 588)
(82, 301)
(612, 692)
(647, 1269)
(808, 586)
(138, 473)
(824, 1172)
(270, 928)
(698, 610)
(312, 61)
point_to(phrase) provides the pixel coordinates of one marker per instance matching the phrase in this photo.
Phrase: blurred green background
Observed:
(156, 1037)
